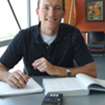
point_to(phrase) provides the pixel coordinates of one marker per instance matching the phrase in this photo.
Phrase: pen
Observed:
(25, 82)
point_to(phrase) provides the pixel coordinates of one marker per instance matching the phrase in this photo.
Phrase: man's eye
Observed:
(57, 8)
(45, 8)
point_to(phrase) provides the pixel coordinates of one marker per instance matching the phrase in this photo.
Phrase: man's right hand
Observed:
(17, 79)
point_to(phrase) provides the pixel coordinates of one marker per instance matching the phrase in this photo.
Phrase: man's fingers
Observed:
(42, 68)
(14, 82)
(38, 63)
(24, 77)
(18, 79)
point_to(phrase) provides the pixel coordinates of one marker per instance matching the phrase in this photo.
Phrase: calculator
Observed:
(53, 99)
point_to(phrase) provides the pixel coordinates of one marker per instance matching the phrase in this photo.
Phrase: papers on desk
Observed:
(32, 87)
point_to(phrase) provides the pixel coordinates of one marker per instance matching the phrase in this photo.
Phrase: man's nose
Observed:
(51, 12)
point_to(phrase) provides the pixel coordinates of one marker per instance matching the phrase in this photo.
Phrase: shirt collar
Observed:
(37, 37)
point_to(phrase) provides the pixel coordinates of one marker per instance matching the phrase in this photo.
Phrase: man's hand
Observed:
(44, 66)
(17, 79)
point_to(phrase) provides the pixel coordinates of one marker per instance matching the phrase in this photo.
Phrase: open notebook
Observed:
(32, 87)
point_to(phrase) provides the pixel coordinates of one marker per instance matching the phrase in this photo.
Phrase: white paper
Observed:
(32, 87)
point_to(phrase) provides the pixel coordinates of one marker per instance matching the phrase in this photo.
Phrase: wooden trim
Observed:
(68, 9)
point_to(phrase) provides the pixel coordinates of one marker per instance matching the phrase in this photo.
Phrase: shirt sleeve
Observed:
(81, 53)
(13, 53)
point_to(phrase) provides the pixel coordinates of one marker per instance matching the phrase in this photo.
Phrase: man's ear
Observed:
(37, 12)
(64, 12)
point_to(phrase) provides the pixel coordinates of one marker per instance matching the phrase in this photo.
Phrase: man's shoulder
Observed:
(68, 30)
(67, 26)
(28, 32)
(30, 29)
(26, 35)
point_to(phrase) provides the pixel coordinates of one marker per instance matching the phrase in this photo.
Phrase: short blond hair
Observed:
(63, 3)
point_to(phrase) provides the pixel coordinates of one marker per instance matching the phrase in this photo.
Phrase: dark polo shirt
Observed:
(27, 44)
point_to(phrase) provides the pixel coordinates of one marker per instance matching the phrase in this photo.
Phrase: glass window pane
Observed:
(20, 8)
(34, 17)
(8, 24)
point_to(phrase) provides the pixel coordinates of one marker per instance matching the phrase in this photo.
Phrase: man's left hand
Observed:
(43, 65)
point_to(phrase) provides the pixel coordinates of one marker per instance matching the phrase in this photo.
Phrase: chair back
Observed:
(96, 36)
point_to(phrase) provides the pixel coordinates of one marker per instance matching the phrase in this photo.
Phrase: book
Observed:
(73, 86)
(32, 87)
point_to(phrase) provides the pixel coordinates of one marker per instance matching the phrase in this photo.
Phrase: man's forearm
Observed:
(60, 71)
(88, 69)
(3, 73)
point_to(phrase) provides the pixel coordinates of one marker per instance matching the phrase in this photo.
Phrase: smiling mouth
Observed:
(51, 20)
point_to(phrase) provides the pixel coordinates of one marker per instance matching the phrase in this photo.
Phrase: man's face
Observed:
(50, 13)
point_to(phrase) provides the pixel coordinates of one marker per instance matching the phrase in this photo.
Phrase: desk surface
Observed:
(94, 98)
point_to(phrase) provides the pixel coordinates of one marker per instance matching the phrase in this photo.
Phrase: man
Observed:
(47, 49)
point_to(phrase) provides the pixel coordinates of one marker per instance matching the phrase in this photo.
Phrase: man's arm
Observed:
(16, 79)
(88, 69)
(3, 72)
(44, 66)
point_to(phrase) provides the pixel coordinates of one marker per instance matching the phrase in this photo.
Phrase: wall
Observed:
(81, 19)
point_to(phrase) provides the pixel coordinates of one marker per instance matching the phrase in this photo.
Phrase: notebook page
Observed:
(32, 87)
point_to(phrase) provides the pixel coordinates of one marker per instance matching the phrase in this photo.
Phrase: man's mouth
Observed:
(51, 20)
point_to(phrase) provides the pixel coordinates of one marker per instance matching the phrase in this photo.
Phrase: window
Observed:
(34, 17)
(8, 24)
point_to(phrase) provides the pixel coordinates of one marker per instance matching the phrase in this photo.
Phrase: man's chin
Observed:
(52, 27)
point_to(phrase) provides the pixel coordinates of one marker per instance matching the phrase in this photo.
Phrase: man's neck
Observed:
(49, 32)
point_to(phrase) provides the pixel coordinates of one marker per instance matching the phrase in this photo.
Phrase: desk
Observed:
(95, 98)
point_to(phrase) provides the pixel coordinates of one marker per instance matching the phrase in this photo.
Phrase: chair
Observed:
(96, 42)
